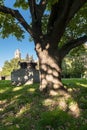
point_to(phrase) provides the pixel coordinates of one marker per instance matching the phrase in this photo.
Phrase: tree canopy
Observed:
(47, 15)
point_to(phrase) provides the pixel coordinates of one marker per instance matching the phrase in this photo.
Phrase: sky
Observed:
(9, 45)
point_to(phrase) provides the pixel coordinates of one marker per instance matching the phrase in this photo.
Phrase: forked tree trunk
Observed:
(50, 69)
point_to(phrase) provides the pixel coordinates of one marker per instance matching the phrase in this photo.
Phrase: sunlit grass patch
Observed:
(3, 90)
(17, 88)
(31, 90)
(23, 110)
(26, 108)
(81, 84)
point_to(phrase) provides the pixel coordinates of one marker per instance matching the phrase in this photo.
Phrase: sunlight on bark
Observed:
(74, 109)
(50, 72)
(49, 77)
(53, 93)
(62, 104)
(55, 73)
(44, 67)
(48, 102)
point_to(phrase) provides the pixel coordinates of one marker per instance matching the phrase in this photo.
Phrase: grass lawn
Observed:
(25, 108)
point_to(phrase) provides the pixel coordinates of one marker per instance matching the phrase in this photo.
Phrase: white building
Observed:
(17, 54)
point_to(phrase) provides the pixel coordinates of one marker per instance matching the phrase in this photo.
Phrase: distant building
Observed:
(29, 58)
(0, 69)
(17, 54)
(27, 73)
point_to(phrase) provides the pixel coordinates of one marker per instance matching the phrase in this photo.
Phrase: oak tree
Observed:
(56, 27)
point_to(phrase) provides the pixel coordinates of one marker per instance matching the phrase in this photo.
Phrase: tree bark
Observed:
(50, 69)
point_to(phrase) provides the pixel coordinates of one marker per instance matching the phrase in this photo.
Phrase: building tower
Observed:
(27, 57)
(18, 54)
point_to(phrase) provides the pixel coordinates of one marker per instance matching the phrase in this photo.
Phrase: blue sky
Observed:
(9, 45)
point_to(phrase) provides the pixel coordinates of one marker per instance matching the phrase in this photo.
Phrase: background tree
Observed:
(73, 64)
(78, 51)
(78, 68)
(55, 26)
(9, 66)
(73, 67)
(66, 67)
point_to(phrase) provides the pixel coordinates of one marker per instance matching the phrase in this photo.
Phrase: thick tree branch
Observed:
(18, 16)
(37, 10)
(72, 44)
(36, 19)
(42, 7)
(77, 4)
(58, 14)
(33, 11)
(62, 12)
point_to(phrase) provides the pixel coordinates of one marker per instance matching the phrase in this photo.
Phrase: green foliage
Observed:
(24, 4)
(1, 2)
(76, 27)
(8, 25)
(44, 23)
(77, 68)
(21, 4)
(74, 63)
(73, 69)
(50, 3)
(9, 66)
(66, 69)
(78, 51)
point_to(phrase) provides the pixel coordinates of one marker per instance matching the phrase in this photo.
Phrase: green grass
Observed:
(25, 108)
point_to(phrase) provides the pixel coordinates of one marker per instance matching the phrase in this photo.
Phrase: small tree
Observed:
(9, 66)
(56, 27)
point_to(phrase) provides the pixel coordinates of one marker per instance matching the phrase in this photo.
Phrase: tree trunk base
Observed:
(59, 98)
(47, 88)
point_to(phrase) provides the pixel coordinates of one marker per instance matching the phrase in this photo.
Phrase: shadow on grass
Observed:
(25, 108)
(78, 90)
